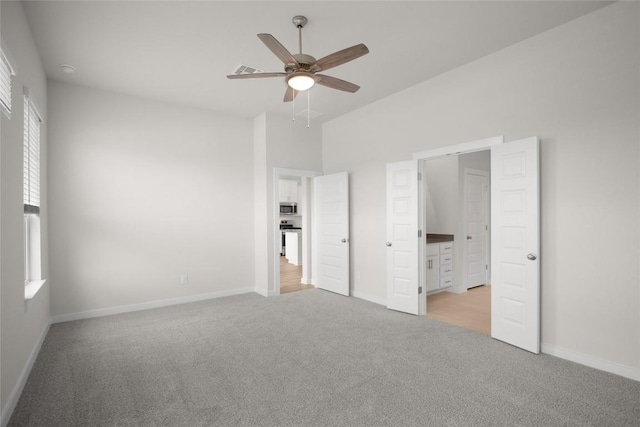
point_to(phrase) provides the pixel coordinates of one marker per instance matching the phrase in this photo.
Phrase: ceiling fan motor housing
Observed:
(305, 62)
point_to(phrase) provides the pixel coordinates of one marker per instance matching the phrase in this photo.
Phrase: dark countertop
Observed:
(439, 238)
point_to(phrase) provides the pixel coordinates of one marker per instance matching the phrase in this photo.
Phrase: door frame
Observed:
(422, 156)
(486, 201)
(306, 206)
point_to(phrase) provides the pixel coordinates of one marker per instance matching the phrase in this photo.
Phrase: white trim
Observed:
(466, 147)
(261, 292)
(369, 297)
(449, 150)
(296, 172)
(147, 305)
(264, 293)
(22, 379)
(593, 362)
(32, 288)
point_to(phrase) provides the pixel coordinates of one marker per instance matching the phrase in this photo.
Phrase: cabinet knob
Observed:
(344, 240)
(388, 243)
(532, 257)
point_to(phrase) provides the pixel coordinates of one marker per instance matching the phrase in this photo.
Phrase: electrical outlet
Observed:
(184, 279)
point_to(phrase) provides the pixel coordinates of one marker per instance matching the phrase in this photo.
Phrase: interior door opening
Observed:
(456, 209)
(514, 233)
(293, 216)
(292, 197)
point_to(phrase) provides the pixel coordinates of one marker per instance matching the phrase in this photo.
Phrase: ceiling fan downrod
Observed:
(299, 21)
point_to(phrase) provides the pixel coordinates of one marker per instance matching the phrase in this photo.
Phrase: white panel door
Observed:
(475, 245)
(402, 237)
(331, 198)
(515, 263)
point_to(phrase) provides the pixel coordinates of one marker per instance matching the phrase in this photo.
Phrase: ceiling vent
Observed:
(245, 69)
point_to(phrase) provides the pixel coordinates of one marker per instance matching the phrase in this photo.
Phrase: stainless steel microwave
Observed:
(288, 208)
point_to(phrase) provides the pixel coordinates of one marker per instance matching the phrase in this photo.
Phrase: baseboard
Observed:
(266, 293)
(261, 292)
(371, 298)
(592, 362)
(22, 380)
(147, 305)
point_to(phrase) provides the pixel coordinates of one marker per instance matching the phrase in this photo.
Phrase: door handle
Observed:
(344, 240)
(388, 243)
(468, 237)
(532, 257)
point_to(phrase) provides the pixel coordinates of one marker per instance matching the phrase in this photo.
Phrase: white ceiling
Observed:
(181, 51)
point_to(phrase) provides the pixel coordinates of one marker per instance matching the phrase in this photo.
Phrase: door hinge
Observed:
(419, 176)
(486, 227)
(419, 290)
(419, 233)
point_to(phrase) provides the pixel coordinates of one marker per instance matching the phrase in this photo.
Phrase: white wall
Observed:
(441, 186)
(577, 88)
(22, 323)
(279, 143)
(142, 192)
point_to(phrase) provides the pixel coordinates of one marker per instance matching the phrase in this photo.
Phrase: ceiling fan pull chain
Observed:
(309, 108)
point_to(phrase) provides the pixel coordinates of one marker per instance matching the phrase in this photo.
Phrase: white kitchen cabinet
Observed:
(288, 189)
(293, 247)
(433, 265)
(439, 266)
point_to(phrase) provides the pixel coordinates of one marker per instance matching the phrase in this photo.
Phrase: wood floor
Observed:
(290, 276)
(471, 310)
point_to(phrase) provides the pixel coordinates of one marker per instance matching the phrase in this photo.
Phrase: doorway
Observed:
(456, 209)
(292, 235)
(515, 237)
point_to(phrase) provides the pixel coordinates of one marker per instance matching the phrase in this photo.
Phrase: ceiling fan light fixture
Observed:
(301, 81)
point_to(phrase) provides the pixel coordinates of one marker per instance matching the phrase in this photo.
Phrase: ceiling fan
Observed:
(301, 70)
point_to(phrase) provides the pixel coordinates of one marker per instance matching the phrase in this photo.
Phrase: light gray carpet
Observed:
(304, 359)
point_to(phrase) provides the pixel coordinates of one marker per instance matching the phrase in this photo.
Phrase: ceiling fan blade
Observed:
(276, 47)
(335, 83)
(290, 94)
(342, 56)
(255, 75)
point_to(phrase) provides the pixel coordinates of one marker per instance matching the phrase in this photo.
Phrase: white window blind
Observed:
(31, 158)
(5, 83)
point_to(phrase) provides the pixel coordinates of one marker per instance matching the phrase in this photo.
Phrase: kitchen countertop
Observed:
(439, 238)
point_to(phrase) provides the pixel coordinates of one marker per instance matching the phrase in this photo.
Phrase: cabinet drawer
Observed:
(446, 270)
(446, 282)
(446, 259)
(433, 249)
(446, 248)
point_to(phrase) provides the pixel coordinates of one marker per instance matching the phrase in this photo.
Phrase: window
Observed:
(5, 84)
(31, 192)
